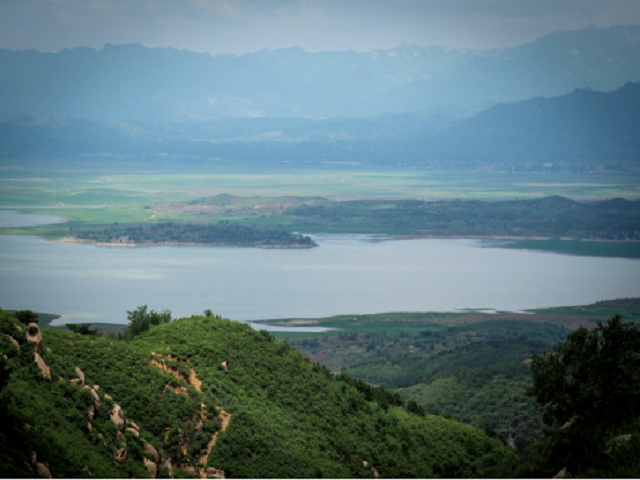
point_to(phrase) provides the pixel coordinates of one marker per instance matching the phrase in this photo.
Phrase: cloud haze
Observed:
(240, 26)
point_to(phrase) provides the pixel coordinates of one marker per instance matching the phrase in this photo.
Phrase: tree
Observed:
(589, 388)
(83, 329)
(141, 320)
(27, 316)
(593, 378)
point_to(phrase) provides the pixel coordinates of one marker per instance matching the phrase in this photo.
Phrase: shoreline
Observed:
(175, 244)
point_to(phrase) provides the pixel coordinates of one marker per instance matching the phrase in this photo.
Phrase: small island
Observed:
(170, 233)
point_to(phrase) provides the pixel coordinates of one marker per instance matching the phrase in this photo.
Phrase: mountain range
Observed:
(583, 127)
(163, 85)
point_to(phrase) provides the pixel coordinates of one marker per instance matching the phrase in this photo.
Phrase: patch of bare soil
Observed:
(192, 379)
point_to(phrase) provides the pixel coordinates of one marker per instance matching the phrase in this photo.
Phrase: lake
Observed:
(344, 275)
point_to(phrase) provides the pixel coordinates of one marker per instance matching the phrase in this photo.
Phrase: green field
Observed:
(86, 196)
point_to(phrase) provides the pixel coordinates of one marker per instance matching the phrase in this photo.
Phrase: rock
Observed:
(89, 427)
(166, 463)
(108, 397)
(133, 431)
(115, 415)
(34, 335)
(212, 472)
(365, 464)
(149, 451)
(76, 382)
(43, 471)
(96, 387)
(121, 456)
(120, 438)
(14, 341)
(92, 412)
(34, 459)
(133, 425)
(27, 427)
(80, 376)
(43, 366)
(225, 366)
(562, 473)
(95, 396)
(151, 467)
(87, 471)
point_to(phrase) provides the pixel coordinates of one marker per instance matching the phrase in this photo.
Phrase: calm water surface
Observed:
(10, 218)
(346, 274)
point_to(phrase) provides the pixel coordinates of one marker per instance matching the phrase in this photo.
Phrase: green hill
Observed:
(482, 384)
(204, 396)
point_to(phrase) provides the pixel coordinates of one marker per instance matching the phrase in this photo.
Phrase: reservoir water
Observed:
(344, 275)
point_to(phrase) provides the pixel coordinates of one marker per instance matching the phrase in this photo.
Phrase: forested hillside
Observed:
(205, 396)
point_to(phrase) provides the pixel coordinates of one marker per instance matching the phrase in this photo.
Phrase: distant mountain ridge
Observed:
(583, 127)
(156, 85)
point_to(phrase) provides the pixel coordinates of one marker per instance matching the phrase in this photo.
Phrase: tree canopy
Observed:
(589, 388)
(141, 320)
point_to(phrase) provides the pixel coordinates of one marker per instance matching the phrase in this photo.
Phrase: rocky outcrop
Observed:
(121, 456)
(225, 366)
(115, 416)
(132, 426)
(14, 341)
(133, 431)
(34, 335)
(79, 382)
(151, 467)
(562, 473)
(92, 412)
(166, 463)
(43, 471)
(149, 451)
(120, 438)
(46, 372)
(96, 398)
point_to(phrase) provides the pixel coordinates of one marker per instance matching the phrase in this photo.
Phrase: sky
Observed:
(241, 26)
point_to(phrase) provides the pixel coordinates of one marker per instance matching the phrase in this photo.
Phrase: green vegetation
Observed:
(140, 320)
(554, 216)
(490, 397)
(275, 413)
(404, 372)
(224, 233)
(589, 388)
(579, 247)
(297, 200)
(468, 365)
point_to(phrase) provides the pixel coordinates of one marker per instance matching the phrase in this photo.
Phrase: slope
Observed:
(205, 396)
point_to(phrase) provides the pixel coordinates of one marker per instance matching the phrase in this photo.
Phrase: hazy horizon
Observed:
(246, 26)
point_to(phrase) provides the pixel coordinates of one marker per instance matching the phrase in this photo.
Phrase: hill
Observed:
(206, 396)
(482, 384)
(581, 127)
(577, 130)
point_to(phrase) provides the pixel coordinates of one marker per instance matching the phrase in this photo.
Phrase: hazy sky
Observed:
(239, 26)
